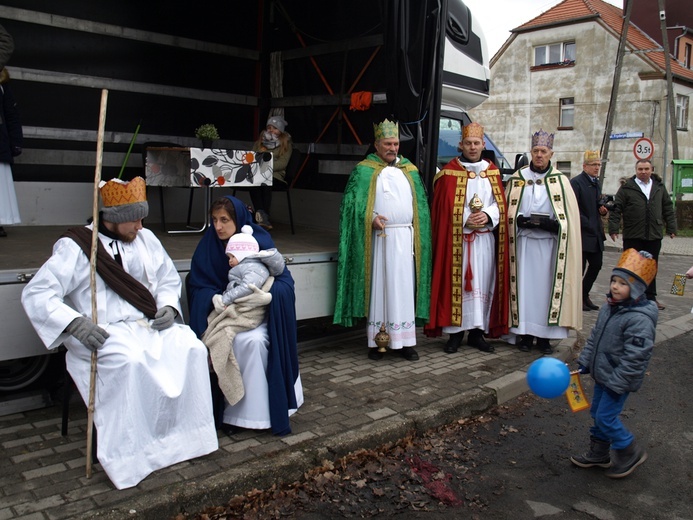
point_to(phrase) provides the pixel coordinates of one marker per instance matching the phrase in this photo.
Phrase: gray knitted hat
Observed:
(277, 122)
(126, 212)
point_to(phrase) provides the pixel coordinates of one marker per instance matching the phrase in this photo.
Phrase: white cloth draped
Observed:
(9, 209)
(252, 411)
(393, 272)
(153, 400)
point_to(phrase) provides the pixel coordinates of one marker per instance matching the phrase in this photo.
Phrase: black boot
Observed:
(476, 339)
(409, 354)
(454, 342)
(544, 346)
(587, 304)
(525, 344)
(626, 460)
(597, 455)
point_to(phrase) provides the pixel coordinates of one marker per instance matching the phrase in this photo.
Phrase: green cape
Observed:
(355, 224)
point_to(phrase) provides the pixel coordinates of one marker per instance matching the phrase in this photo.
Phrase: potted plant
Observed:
(207, 133)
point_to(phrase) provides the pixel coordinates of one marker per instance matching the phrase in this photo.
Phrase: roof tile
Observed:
(574, 11)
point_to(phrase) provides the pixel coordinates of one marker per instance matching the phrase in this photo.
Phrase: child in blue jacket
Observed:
(616, 355)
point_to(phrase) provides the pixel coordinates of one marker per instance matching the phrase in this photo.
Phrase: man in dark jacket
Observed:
(645, 207)
(588, 194)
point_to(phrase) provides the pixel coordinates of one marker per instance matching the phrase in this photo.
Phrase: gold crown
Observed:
(473, 130)
(386, 130)
(634, 262)
(591, 156)
(542, 138)
(118, 193)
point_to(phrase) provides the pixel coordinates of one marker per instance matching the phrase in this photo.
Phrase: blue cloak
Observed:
(209, 276)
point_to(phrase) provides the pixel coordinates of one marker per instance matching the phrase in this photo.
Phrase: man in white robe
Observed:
(384, 251)
(469, 282)
(152, 401)
(545, 251)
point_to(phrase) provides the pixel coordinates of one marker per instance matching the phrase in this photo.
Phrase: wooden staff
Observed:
(92, 274)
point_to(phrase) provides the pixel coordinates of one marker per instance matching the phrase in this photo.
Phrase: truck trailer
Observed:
(170, 68)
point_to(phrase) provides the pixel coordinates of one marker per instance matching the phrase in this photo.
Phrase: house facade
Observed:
(556, 72)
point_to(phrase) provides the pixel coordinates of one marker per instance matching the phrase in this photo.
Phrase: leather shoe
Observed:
(525, 344)
(660, 306)
(409, 354)
(587, 305)
(454, 342)
(374, 354)
(544, 346)
(476, 339)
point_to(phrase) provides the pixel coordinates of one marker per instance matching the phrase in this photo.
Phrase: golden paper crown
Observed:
(386, 130)
(633, 262)
(591, 156)
(542, 138)
(473, 130)
(118, 193)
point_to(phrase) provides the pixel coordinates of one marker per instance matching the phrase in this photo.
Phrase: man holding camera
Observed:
(591, 205)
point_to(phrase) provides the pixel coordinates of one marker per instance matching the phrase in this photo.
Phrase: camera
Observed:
(662, 15)
(607, 201)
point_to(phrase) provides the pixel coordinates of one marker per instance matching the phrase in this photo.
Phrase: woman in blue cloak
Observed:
(267, 355)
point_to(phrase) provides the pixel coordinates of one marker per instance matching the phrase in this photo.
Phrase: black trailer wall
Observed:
(174, 67)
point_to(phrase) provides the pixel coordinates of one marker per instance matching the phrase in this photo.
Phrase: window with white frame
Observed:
(681, 112)
(554, 54)
(567, 113)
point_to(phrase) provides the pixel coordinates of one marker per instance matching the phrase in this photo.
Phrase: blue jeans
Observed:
(606, 410)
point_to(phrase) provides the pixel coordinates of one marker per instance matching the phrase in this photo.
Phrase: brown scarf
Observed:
(120, 281)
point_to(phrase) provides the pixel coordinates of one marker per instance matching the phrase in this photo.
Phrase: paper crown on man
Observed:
(638, 268)
(542, 138)
(386, 130)
(473, 130)
(591, 156)
(124, 201)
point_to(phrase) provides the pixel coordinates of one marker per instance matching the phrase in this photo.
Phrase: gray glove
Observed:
(87, 332)
(164, 318)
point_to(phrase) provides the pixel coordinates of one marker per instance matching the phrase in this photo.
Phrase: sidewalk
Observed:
(351, 402)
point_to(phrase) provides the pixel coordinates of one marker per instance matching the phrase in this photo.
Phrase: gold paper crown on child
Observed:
(633, 262)
(542, 138)
(386, 130)
(591, 156)
(473, 130)
(118, 193)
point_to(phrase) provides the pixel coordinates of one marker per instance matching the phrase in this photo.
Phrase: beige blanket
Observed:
(222, 326)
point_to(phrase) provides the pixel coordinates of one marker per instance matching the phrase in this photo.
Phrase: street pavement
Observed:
(351, 402)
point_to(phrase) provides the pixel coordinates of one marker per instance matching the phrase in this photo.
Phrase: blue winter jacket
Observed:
(620, 345)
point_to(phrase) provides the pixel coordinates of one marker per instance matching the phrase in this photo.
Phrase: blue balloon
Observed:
(548, 377)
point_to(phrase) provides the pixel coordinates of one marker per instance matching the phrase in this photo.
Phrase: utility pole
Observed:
(628, 4)
(671, 101)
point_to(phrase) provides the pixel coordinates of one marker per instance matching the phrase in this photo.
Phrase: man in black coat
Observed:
(589, 194)
(644, 209)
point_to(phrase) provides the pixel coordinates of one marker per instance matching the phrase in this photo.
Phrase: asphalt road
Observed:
(513, 462)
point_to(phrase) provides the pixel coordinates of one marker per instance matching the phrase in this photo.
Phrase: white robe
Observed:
(476, 304)
(536, 260)
(9, 210)
(393, 282)
(250, 349)
(153, 401)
